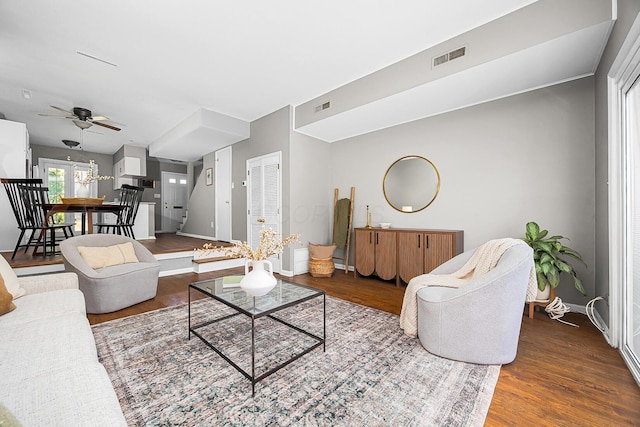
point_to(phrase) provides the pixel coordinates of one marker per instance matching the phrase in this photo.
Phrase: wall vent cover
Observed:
(450, 56)
(323, 106)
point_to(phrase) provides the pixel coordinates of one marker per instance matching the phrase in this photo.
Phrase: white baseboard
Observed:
(174, 272)
(575, 308)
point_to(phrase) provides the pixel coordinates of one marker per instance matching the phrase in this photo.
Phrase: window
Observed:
(59, 177)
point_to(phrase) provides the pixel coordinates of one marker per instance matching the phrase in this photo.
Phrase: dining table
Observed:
(86, 209)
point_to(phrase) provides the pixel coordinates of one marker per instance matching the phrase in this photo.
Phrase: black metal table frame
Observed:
(252, 377)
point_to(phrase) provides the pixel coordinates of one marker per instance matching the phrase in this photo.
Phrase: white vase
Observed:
(544, 295)
(82, 191)
(258, 281)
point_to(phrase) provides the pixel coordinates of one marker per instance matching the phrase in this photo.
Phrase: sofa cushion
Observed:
(10, 279)
(106, 256)
(81, 395)
(6, 299)
(45, 345)
(6, 418)
(45, 305)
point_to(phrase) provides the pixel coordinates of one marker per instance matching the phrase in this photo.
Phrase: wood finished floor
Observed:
(562, 376)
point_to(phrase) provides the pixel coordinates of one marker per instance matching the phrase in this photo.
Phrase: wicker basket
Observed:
(321, 267)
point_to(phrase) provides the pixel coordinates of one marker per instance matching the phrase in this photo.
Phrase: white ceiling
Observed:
(244, 59)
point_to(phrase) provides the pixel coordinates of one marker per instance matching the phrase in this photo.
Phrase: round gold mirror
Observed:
(411, 184)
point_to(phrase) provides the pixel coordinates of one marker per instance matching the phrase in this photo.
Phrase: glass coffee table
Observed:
(284, 295)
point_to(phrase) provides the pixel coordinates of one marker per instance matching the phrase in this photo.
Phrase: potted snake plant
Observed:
(550, 258)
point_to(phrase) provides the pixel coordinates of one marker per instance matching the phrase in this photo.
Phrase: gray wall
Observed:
(524, 158)
(269, 134)
(311, 197)
(307, 194)
(201, 205)
(628, 10)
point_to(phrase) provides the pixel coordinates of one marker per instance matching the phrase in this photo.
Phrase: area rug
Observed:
(371, 374)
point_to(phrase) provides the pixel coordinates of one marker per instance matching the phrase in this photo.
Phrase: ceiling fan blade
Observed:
(56, 116)
(63, 110)
(104, 125)
(100, 118)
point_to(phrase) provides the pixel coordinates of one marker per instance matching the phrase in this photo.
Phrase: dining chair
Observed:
(19, 209)
(34, 198)
(130, 197)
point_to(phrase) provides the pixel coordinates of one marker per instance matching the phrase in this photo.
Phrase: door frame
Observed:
(624, 71)
(223, 181)
(163, 176)
(276, 261)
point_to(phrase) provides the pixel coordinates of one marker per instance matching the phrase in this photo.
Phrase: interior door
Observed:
(264, 199)
(174, 201)
(223, 194)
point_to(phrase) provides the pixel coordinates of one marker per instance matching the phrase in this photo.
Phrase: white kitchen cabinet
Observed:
(129, 166)
(144, 226)
(124, 171)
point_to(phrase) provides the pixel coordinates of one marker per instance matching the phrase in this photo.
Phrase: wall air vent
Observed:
(449, 56)
(323, 106)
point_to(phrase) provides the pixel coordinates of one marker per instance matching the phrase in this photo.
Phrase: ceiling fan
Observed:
(82, 118)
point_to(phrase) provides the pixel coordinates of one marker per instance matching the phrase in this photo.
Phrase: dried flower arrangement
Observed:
(86, 178)
(269, 245)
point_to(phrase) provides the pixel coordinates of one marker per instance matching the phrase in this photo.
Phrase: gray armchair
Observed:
(480, 321)
(115, 287)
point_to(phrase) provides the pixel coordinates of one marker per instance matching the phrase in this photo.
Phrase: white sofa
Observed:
(49, 369)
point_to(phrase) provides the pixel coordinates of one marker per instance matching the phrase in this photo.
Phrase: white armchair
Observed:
(480, 321)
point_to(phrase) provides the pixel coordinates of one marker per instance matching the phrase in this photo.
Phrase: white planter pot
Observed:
(544, 295)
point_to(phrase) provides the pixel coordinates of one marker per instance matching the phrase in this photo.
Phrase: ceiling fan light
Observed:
(70, 143)
(82, 124)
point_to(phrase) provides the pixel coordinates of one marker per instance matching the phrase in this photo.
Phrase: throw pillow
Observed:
(10, 279)
(6, 301)
(321, 251)
(7, 419)
(107, 256)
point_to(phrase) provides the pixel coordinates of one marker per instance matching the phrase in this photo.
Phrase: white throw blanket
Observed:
(483, 259)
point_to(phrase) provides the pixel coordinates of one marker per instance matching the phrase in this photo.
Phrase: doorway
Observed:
(264, 200)
(223, 194)
(174, 201)
(59, 176)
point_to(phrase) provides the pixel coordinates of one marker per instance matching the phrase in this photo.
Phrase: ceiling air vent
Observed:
(449, 56)
(323, 106)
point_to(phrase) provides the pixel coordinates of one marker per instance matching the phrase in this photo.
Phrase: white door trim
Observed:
(623, 72)
(277, 221)
(223, 187)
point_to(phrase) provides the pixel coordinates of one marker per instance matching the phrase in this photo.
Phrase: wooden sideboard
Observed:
(403, 253)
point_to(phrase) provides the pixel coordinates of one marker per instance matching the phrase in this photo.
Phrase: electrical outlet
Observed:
(211, 224)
